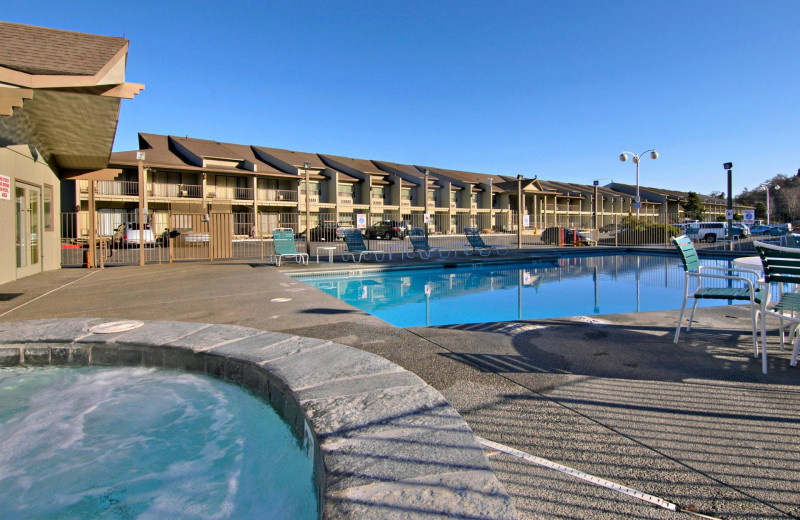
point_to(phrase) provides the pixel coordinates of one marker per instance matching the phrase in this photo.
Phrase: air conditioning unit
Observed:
(281, 197)
(185, 193)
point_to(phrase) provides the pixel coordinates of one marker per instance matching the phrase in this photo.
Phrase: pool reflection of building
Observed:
(384, 290)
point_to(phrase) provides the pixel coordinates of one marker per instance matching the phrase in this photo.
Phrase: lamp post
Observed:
(425, 200)
(140, 157)
(519, 211)
(729, 213)
(491, 205)
(594, 208)
(306, 166)
(636, 158)
(766, 187)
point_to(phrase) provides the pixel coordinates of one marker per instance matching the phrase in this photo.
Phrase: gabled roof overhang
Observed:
(70, 118)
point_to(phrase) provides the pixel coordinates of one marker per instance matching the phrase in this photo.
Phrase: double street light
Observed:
(766, 188)
(636, 158)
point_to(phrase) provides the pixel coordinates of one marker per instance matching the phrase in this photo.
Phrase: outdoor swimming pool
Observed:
(125, 442)
(479, 293)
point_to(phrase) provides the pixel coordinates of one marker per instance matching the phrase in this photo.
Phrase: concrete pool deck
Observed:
(695, 424)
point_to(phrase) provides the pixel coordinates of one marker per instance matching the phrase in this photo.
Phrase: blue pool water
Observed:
(568, 286)
(124, 443)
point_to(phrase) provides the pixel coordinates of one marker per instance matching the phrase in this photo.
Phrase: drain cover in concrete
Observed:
(115, 326)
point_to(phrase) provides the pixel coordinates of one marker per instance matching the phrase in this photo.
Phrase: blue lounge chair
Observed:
(743, 291)
(477, 243)
(421, 246)
(355, 246)
(283, 239)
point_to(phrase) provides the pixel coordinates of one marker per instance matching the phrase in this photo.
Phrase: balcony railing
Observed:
(194, 191)
(377, 202)
(405, 203)
(121, 188)
(277, 195)
(243, 193)
(313, 197)
(346, 199)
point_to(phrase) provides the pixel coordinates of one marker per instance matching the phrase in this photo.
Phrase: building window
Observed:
(47, 203)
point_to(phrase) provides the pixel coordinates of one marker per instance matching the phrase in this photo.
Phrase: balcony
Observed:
(124, 188)
(277, 195)
(405, 203)
(243, 193)
(346, 199)
(377, 202)
(313, 198)
(111, 188)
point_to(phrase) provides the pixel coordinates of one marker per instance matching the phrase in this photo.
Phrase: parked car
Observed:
(765, 230)
(387, 229)
(707, 231)
(327, 232)
(128, 234)
(186, 236)
(740, 230)
(552, 235)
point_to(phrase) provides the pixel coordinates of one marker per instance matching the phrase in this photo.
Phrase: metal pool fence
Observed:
(171, 236)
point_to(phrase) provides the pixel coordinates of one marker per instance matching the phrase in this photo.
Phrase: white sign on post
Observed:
(427, 218)
(728, 214)
(526, 220)
(5, 187)
(749, 216)
(361, 221)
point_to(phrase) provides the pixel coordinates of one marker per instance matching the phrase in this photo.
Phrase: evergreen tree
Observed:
(694, 207)
(761, 210)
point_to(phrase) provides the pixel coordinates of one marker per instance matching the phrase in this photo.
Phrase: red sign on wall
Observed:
(5, 187)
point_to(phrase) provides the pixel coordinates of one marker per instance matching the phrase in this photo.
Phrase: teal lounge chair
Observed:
(477, 243)
(283, 239)
(781, 266)
(791, 240)
(355, 246)
(421, 246)
(743, 291)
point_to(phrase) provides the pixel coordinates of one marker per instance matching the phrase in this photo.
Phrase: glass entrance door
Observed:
(28, 229)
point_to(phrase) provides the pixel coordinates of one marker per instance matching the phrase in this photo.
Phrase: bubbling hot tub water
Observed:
(124, 442)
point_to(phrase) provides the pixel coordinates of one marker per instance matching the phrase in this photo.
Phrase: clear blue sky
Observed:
(550, 88)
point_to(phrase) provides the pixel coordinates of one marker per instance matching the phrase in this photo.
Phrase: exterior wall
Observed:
(18, 163)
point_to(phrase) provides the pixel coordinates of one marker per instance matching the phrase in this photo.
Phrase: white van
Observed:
(707, 231)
